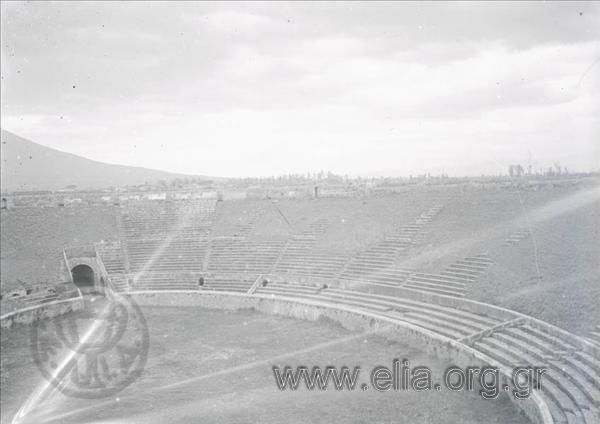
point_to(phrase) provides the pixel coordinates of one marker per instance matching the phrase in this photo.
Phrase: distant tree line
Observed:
(517, 170)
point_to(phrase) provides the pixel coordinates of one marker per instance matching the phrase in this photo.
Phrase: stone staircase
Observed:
(454, 280)
(377, 263)
(516, 237)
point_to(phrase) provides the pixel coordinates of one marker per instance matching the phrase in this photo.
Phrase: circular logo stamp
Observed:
(94, 352)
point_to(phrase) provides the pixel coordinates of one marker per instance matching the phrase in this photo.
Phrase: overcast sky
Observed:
(234, 89)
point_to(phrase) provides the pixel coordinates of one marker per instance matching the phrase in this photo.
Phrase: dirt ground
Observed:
(204, 362)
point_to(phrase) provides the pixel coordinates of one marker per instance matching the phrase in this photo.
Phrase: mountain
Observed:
(28, 166)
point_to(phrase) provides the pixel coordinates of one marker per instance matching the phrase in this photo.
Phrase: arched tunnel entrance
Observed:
(83, 277)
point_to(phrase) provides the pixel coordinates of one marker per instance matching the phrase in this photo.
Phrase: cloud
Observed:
(262, 89)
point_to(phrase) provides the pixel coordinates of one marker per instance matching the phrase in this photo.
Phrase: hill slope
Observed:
(28, 166)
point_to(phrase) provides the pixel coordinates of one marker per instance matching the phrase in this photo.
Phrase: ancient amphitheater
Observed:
(422, 274)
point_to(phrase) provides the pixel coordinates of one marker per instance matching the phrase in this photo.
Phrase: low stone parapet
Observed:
(47, 310)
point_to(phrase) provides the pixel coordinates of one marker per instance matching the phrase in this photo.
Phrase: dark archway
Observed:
(83, 277)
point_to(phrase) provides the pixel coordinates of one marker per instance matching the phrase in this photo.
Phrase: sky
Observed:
(260, 89)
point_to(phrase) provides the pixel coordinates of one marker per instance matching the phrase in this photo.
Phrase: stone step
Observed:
(453, 334)
(436, 279)
(458, 276)
(527, 357)
(574, 374)
(436, 286)
(437, 291)
(321, 298)
(479, 260)
(562, 408)
(582, 368)
(292, 288)
(461, 269)
(462, 319)
(473, 265)
(534, 353)
(165, 286)
(388, 279)
(588, 359)
(557, 343)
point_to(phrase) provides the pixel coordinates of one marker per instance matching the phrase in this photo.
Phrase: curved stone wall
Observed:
(462, 352)
(43, 311)
(351, 318)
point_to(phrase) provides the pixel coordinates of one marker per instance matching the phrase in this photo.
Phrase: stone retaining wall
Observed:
(44, 311)
(354, 319)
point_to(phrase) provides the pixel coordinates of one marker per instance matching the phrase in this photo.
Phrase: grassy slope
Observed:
(353, 224)
(568, 293)
(33, 238)
(567, 252)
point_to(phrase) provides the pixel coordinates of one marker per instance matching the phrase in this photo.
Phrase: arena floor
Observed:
(216, 366)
